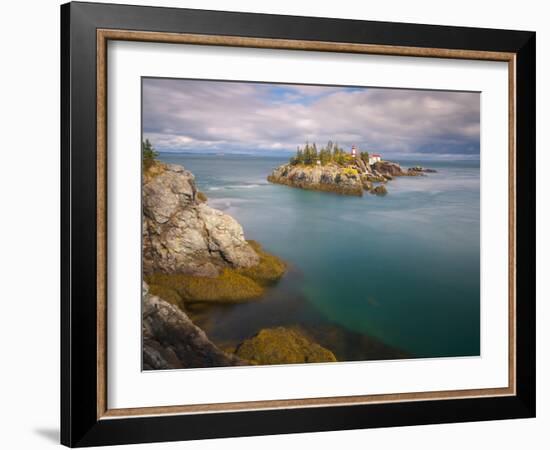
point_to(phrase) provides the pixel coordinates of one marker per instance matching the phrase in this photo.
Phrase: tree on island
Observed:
(325, 156)
(331, 153)
(310, 154)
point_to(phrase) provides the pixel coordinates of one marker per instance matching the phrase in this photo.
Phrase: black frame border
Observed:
(79, 423)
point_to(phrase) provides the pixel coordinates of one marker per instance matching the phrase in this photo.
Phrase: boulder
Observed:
(172, 341)
(367, 185)
(282, 345)
(181, 233)
(385, 168)
(379, 190)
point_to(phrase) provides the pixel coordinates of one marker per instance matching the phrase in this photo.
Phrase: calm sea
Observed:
(366, 274)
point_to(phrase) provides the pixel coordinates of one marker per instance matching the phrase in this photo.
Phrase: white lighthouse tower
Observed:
(353, 151)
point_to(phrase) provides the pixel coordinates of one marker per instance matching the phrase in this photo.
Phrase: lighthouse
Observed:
(353, 151)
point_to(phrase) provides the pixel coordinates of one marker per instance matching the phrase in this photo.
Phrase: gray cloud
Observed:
(190, 115)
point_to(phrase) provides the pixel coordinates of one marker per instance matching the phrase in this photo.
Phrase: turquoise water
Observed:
(401, 270)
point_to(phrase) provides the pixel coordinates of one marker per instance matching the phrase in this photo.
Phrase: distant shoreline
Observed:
(288, 154)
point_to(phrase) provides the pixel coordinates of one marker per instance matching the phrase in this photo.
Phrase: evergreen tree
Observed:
(339, 155)
(314, 154)
(324, 156)
(148, 153)
(308, 154)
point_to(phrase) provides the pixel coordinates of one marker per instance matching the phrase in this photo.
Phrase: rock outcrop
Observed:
(282, 345)
(182, 234)
(386, 168)
(172, 341)
(194, 253)
(419, 170)
(379, 190)
(228, 287)
(349, 178)
(328, 178)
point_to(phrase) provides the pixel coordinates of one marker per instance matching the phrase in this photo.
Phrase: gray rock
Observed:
(172, 341)
(225, 237)
(388, 168)
(418, 170)
(182, 234)
(167, 193)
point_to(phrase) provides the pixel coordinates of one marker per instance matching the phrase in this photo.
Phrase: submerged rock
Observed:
(419, 170)
(282, 345)
(172, 341)
(353, 346)
(379, 190)
(268, 271)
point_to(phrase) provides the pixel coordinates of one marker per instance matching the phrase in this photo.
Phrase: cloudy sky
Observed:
(239, 117)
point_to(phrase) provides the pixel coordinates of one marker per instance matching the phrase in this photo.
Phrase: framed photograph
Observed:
(277, 224)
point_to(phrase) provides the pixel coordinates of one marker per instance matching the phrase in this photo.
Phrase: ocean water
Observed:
(371, 277)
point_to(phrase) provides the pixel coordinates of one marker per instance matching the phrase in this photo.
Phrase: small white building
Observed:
(374, 158)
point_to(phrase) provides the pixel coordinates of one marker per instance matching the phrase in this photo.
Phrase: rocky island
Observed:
(331, 169)
(195, 254)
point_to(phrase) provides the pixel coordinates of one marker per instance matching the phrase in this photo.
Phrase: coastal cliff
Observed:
(182, 234)
(195, 253)
(333, 170)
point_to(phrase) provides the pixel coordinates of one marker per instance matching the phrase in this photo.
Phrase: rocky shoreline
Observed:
(194, 254)
(353, 177)
(172, 341)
